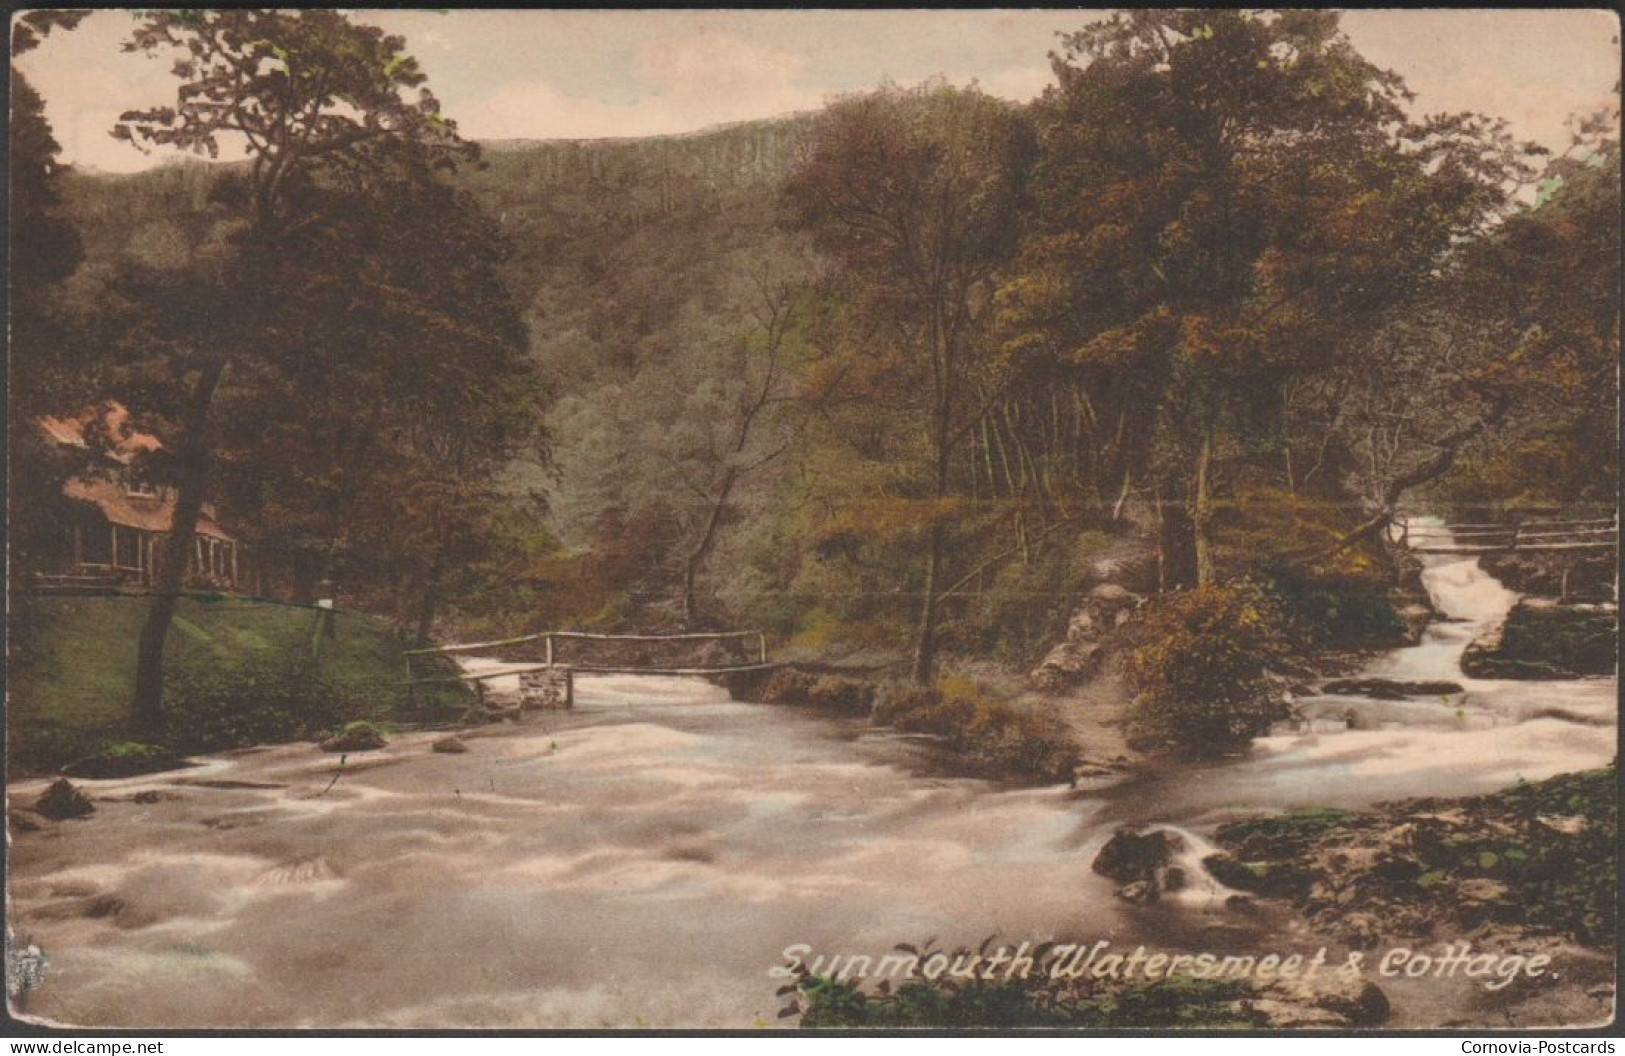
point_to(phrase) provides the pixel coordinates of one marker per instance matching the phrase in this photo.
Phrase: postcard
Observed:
(789, 520)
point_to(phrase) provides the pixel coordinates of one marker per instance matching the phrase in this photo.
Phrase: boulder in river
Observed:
(1142, 863)
(1390, 689)
(63, 800)
(356, 737)
(449, 745)
(1542, 639)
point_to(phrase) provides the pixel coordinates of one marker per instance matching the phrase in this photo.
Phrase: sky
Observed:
(534, 74)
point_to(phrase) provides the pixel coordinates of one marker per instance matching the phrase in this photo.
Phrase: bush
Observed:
(257, 701)
(803, 688)
(1001, 737)
(1340, 611)
(1200, 664)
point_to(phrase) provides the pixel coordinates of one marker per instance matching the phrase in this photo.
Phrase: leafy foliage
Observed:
(1200, 667)
(1001, 737)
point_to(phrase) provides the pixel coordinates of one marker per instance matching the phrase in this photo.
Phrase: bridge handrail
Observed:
(599, 670)
(1576, 526)
(582, 635)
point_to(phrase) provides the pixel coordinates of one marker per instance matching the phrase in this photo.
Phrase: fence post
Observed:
(549, 641)
(761, 647)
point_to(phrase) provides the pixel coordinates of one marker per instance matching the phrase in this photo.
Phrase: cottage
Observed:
(120, 520)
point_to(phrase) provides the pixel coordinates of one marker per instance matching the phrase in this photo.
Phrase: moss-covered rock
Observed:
(1535, 858)
(62, 801)
(361, 736)
(1542, 639)
(125, 759)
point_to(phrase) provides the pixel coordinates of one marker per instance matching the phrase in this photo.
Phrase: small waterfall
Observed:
(1470, 602)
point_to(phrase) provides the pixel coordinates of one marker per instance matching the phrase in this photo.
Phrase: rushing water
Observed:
(645, 858)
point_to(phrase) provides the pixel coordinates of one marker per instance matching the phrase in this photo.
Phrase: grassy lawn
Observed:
(240, 671)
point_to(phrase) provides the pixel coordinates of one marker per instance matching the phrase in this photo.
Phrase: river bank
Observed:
(647, 857)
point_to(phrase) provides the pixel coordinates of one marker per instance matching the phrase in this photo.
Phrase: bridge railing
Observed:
(552, 640)
(1526, 535)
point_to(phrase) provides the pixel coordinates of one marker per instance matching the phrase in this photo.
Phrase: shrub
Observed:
(258, 701)
(1001, 737)
(1200, 663)
(803, 688)
(1339, 611)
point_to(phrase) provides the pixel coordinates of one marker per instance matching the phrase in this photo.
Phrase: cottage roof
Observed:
(149, 513)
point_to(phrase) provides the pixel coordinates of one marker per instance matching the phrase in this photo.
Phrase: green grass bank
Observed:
(240, 671)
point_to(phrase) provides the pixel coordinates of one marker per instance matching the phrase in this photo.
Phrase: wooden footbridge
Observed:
(1518, 536)
(550, 681)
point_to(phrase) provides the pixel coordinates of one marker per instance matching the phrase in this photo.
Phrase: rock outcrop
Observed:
(1536, 860)
(1544, 639)
(1142, 863)
(1105, 608)
(1328, 1001)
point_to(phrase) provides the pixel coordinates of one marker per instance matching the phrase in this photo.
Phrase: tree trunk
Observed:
(147, 705)
(427, 603)
(1449, 447)
(1203, 512)
(925, 644)
(702, 549)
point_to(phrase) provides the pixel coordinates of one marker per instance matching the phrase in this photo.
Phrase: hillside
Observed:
(637, 261)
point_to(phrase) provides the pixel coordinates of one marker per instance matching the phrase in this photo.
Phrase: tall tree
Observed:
(917, 193)
(45, 374)
(1224, 198)
(412, 378)
(307, 96)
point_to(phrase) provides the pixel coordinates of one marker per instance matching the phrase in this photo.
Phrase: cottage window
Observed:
(96, 544)
(141, 489)
(127, 547)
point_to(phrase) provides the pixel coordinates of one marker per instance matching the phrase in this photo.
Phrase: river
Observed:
(644, 859)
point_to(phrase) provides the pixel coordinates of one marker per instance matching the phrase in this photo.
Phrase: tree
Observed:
(411, 394)
(1546, 288)
(47, 374)
(917, 193)
(1498, 384)
(773, 391)
(1224, 198)
(309, 96)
